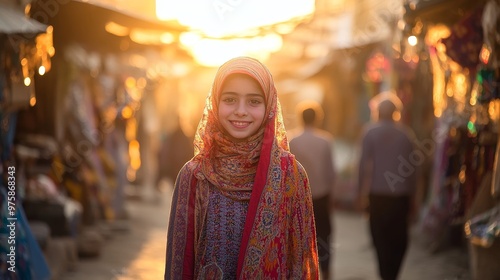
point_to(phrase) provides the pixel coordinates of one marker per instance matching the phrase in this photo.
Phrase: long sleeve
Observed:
(330, 166)
(179, 261)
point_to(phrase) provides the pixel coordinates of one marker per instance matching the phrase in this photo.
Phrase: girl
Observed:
(242, 207)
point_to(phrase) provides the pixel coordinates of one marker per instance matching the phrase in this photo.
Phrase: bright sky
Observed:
(219, 18)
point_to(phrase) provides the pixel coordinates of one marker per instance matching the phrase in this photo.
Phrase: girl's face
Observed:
(241, 107)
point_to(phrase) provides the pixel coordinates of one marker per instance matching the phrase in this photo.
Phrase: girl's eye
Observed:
(255, 101)
(229, 99)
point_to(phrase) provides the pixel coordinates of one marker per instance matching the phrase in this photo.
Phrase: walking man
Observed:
(313, 149)
(388, 177)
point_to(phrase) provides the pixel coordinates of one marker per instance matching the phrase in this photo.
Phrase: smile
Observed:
(240, 124)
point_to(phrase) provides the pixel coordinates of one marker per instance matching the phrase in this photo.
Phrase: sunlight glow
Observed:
(212, 52)
(218, 18)
(223, 29)
(151, 37)
(116, 29)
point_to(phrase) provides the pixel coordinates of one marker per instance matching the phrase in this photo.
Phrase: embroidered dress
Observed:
(242, 210)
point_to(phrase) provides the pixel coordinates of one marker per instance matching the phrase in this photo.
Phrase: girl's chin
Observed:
(238, 139)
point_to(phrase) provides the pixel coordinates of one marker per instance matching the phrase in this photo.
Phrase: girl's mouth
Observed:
(240, 124)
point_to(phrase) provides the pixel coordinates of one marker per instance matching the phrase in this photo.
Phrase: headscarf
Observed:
(228, 165)
(279, 235)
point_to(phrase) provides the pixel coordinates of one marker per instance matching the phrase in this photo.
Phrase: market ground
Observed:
(140, 253)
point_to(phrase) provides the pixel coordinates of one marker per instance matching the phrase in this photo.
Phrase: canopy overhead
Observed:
(446, 12)
(89, 11)
(14, 21)
(86, 22)
(117, 12)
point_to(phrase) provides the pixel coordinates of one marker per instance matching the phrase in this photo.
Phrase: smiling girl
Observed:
(242, 207)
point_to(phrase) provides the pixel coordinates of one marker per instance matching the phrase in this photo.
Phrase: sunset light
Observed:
(223, 29)
(211, 52)
(229, 17)
(250, 139)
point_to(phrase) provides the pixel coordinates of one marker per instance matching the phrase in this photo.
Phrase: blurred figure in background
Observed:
(387, 175)
(313, 148)
(175, 150)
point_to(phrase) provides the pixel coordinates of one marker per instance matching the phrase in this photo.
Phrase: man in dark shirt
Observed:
(387, 175)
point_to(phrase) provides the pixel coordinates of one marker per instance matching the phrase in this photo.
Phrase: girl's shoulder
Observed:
(292, 164)
(188, 170)
(191, 165)
(295, 176)
(286, 156)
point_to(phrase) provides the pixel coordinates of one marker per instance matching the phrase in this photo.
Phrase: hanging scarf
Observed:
(278, 239)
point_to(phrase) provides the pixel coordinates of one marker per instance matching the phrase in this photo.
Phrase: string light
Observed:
(412, 40)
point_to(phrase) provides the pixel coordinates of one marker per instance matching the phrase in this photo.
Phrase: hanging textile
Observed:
(491, 25)
(28, 262)
(488, 84)
(483, 232)
(466, 40)
(7, 130)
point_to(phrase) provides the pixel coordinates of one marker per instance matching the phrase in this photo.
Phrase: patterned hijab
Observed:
(231, 166)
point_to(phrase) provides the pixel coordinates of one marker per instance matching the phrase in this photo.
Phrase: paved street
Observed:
(136, 255)
(139, 254)
(355, 260)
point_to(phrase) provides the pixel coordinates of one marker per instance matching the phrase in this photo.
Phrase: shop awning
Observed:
(86, 22)
(14, 21)
(440, 11)
(118, 12)
(95, 12)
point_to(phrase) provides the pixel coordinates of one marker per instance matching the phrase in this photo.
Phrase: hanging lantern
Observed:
(377, 67)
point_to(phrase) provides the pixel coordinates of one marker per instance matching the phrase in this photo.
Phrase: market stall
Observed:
(462, 45)
(22, 56)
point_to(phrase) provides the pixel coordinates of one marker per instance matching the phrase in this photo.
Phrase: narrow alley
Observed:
(140, 253)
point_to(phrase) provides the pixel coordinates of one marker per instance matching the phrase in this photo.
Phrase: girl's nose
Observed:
(241, 110)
